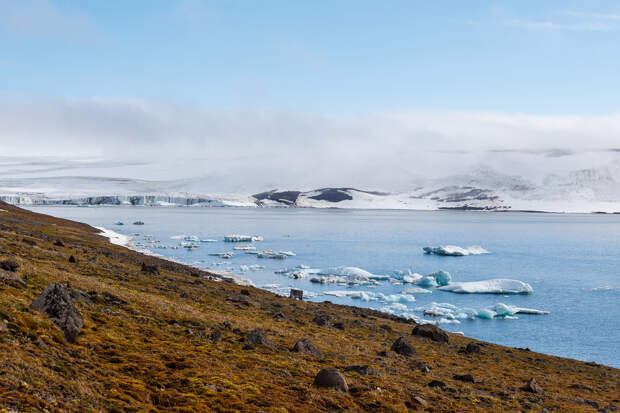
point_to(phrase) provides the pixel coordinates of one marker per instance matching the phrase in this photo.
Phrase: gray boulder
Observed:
(56, 302)
(305, 346)
(403, 347)
(331, 378)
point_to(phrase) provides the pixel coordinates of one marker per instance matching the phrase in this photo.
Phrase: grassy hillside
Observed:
(164, 337)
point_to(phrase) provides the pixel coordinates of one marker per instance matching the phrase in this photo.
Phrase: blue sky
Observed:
(333, 57)
(262, 94)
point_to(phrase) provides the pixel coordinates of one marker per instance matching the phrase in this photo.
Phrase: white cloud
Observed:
(551, 25)
(249, 150)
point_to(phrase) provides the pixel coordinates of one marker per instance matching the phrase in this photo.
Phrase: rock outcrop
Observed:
(305, 346)
(57, 303)
(403, 347)
(432, 332)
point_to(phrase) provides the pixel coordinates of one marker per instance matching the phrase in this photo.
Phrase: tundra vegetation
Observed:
(87, 326)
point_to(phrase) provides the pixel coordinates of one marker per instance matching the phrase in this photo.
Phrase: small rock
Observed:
(339, 325)
(331, 378)
(421, 366)
(258, 338)
(532, 386)
(72, 259)
(471, 348)
(419, 401)
(322, 319)
(305, 346)
(238, 298)
(59, 243)
(56, 302)
(430, 331)
(362, 370)
(436, 383)
(215, 336)
(402, 347)
(149, 269)
(279, 317)
(9, 265)
(467, 378)
(12, 279)
(386, 328)
(244, 292)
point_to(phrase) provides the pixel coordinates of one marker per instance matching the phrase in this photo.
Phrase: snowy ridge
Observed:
(484, 189)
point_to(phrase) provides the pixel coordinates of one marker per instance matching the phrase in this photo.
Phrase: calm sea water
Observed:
(566, 259)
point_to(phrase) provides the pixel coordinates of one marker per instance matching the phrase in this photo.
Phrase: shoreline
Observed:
(163, 337)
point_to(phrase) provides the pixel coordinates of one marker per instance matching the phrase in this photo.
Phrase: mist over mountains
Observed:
(72, 149)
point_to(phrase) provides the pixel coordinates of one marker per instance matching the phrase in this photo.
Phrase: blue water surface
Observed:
(563, 256)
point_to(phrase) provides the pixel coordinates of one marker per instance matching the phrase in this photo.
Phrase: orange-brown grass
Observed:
(145, 346)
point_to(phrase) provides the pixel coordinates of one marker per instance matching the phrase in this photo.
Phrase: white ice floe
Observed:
(115, 237)
(509, 310)
(242, 238)
(412, 278)
(208, 240)
(605, 288)
(226, 255)
(372, 296)
(455, 251)
(347, 275)
(415, 290)
(287, 253)
(182, 236)
(271, 254)
(447, 311)
(191, 238)
(254, 267)
(244, 247)
(496, 286)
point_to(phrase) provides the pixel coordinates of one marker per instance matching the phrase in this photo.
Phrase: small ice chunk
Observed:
(441, 277)
(242, 238)
(415, 290)
(486, 314)
(495, 286)
(455, 251)
(428, 282)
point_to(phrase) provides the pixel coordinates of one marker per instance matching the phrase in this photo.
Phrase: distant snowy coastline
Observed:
(340, 198)
(583, 191)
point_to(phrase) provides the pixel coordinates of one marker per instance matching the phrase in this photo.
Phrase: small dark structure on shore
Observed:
(296, 294)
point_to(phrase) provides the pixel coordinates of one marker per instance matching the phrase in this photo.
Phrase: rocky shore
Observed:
(88, 326)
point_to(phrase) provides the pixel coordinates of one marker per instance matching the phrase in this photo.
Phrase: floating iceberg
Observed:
(208, 240)
(226, 255)
(412, 278)
(288, 253)
(345, 275)
(371, 296)
(496, 286)
(441, 277)
(242, 238)
(271, 254)
(191, 238)
(415, 290)
(427, 282)
(455, 251)
(508, 310)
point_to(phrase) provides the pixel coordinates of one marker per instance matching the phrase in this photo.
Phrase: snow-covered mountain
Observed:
(586, 190)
